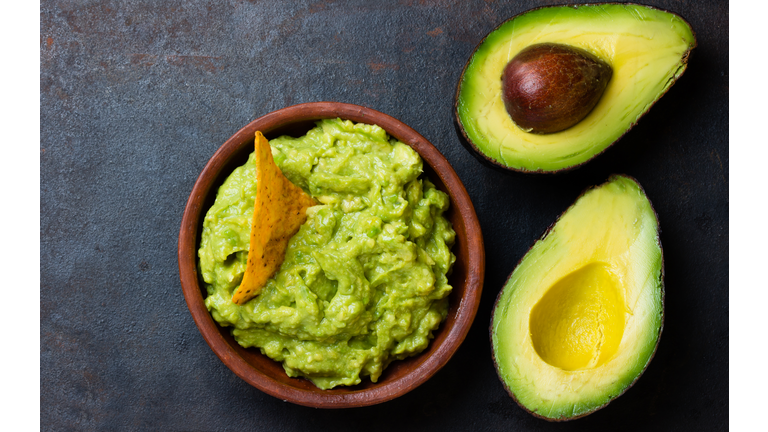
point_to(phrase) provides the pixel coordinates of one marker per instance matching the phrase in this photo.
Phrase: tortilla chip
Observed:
(279, 211)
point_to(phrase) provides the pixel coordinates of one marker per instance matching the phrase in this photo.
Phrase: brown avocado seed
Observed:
(549, 87)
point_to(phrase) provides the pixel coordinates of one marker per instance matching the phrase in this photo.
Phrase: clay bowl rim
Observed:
(401, 376)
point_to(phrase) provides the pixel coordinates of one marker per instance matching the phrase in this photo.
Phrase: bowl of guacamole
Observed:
(378, 287)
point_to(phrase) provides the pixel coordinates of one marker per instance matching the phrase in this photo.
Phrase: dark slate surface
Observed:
(137, 95)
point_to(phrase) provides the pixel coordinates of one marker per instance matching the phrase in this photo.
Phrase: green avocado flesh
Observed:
(579, 318)
(646, 48)
(364, 280)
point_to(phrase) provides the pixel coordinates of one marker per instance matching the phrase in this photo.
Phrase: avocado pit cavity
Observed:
(548, 87)
(579, 322)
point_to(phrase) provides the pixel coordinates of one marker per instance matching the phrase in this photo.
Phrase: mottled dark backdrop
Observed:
(137, 95)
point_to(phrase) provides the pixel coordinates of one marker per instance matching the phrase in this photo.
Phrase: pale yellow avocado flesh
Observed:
(646, 48)
(579, 322)
(579, 318)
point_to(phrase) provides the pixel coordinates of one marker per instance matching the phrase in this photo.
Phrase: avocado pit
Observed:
(548, 87)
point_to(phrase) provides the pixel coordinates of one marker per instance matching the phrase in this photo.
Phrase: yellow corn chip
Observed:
(279, 211)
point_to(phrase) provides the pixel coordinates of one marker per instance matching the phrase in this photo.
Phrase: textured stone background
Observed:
(137, 95)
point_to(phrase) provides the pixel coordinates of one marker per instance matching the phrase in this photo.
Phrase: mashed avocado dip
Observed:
(364, 280)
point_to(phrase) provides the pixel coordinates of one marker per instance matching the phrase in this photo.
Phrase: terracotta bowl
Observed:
(401, 376)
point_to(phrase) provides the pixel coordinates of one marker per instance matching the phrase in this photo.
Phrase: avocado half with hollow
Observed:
(580, 317)
(646, 48)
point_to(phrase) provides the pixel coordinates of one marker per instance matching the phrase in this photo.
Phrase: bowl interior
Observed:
(400, 376)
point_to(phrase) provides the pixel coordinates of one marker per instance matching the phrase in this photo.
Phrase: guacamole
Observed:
(364, 280)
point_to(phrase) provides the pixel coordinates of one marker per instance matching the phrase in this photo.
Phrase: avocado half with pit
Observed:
(646, 48)
(580, 317)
